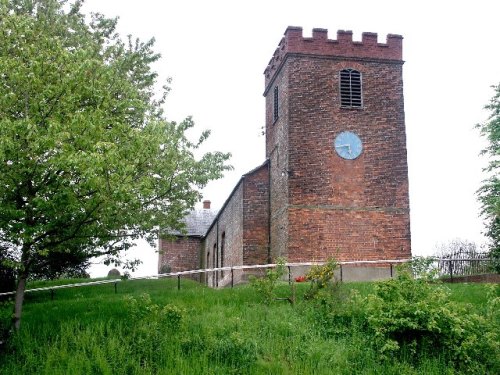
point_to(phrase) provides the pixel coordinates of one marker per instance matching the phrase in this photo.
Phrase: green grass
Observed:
(93, 330)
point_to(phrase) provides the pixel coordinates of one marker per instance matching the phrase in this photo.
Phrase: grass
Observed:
(198, 330)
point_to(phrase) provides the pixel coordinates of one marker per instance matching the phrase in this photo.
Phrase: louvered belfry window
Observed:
(350, 88)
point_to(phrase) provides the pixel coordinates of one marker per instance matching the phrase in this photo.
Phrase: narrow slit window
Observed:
(275, 104)
(350, 89)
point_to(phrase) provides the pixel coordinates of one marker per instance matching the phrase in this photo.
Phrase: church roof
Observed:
(198, 221)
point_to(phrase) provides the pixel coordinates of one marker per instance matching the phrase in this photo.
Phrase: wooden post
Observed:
(341, 274)
(232, 277)
(289, 275)
(391, 270)
(178, 282)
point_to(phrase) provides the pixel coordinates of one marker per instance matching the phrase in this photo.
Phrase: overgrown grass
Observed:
(149, 327)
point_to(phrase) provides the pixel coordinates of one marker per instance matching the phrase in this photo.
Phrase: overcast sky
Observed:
(216, 52)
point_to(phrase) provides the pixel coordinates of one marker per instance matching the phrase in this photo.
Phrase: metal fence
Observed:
(235, 274)
(229, 276)
(461, 266)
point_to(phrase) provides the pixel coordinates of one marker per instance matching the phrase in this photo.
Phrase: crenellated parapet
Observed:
(368, 48)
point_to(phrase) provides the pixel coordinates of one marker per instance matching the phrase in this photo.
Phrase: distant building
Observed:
(335, 179)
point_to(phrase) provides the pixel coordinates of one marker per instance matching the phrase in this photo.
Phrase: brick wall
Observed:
(256, 216)
(351, 209)
(223, 244)
(277, 154)
(181, 254)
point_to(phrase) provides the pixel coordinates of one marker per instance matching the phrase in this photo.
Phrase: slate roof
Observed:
(198, 222)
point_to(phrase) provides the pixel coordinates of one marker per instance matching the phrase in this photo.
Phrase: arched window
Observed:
(350, 89)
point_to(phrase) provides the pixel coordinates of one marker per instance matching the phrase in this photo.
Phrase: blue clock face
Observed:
(348, 145)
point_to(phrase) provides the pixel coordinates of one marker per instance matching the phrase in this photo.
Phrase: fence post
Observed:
(289, 276)
(391, 270)
(178, 282)
(115, 287)
(232, 277)
(451, 270)
(341, 274)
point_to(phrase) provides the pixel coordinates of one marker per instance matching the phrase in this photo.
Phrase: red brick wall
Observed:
(351, 209)
(180, 254)
(256, 216)
(277, 153)
(294, 43)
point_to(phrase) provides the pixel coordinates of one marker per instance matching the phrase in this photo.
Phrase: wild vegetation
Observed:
(403, 326)
(489, 193)
(88, 160)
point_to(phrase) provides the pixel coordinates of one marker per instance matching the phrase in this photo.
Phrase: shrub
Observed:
(165, 268)
(143, 309)
(266, 285)
(321, 277)
(410, 314)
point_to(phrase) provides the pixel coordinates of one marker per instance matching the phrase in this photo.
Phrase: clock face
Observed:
(348, 145)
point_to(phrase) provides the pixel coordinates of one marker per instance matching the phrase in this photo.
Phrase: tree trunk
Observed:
(18, 306)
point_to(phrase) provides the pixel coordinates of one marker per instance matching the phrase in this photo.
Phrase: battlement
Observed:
(343, 46)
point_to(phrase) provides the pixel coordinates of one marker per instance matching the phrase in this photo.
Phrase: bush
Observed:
(165, 268)
(266, 285)
(411, 315)
(321, 277)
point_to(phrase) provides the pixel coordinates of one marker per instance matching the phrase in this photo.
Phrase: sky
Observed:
(216, 52)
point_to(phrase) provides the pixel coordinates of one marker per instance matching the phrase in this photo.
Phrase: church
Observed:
(334, 180)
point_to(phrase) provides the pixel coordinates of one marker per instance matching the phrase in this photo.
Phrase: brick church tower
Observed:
(336, 144)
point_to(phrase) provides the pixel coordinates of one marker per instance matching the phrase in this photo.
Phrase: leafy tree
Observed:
(489, 193)
(88, 162)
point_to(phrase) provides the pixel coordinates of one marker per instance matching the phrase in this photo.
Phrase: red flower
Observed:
(300, 279)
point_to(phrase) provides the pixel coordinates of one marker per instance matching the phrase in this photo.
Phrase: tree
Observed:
(88, 162)
(489, 193)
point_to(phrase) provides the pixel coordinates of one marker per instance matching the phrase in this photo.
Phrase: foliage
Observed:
(421, 268)
(7, 274)
(321, 277)
(165, 268)
(234, 350)
(411, 315)
(266, 285)
(93, 330)
(489, 193)
(88, 162)
(142, 309)
(5, 323)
